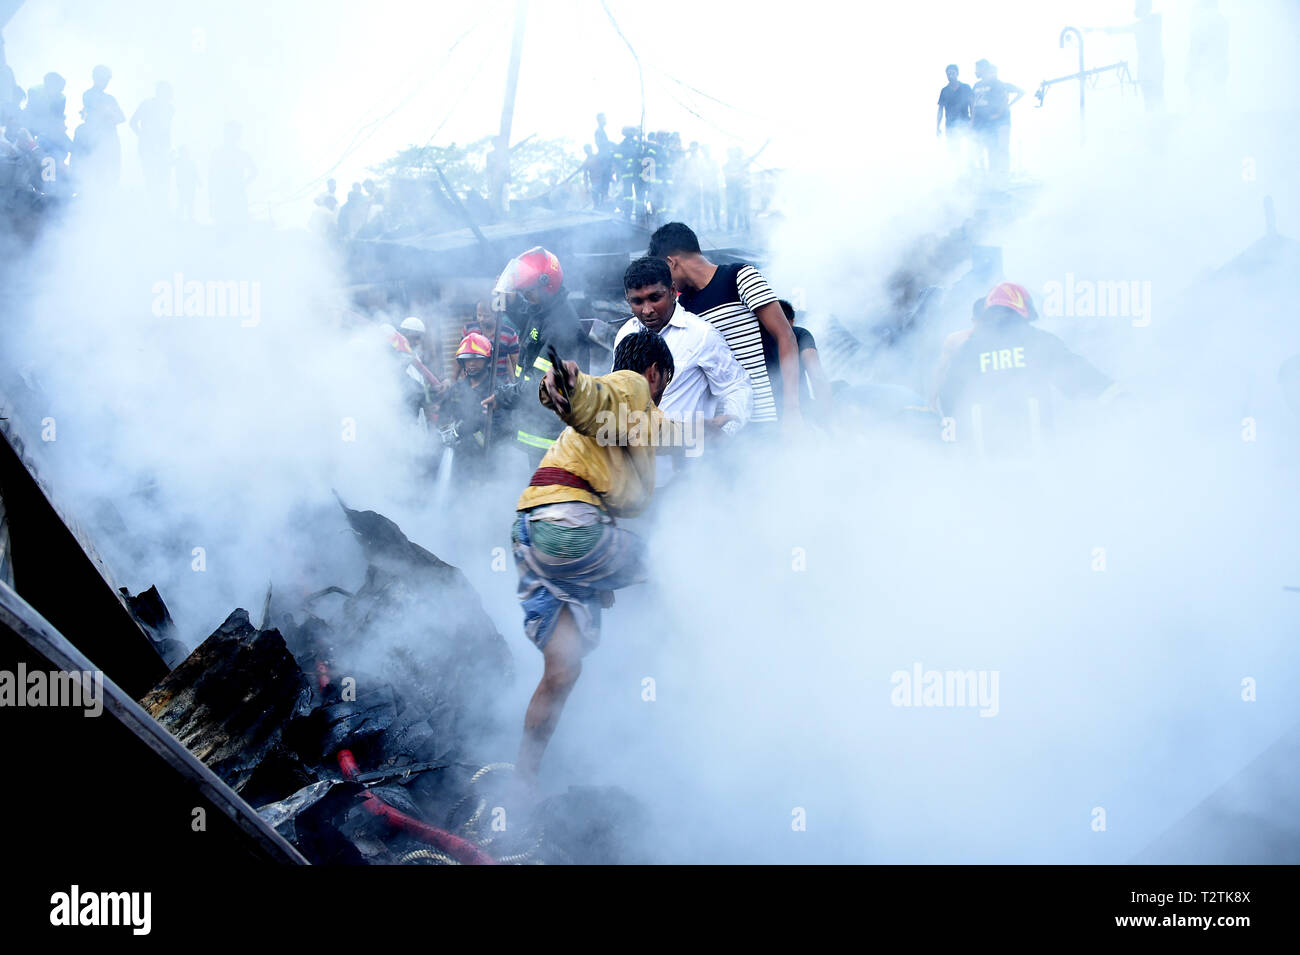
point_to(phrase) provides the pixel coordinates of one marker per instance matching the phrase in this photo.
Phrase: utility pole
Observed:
(499, 174)
(1083, 76)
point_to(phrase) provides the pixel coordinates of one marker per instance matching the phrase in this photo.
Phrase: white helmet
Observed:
(413, 324)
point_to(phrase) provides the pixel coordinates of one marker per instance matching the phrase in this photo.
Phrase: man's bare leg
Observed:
(562, 661)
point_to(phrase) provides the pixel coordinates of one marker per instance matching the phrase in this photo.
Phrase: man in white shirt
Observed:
(709, 389)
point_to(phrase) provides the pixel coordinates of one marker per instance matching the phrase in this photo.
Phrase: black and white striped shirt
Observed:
(730, 303)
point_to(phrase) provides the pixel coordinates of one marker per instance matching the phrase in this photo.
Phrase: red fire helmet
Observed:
(474, 345)
(536, 270)
(1012, 296)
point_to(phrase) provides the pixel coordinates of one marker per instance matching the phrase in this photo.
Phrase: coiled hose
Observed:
(471, 829)
(426, 857)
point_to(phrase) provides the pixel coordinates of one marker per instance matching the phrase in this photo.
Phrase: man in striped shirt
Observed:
(737, 301)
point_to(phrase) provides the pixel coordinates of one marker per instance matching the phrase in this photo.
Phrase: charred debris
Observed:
(377, 763)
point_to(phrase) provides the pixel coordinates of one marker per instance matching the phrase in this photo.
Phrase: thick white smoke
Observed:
(203, 387)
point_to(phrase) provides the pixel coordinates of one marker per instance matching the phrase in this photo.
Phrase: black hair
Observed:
(787, 308)
(673, 238)
(951, 66)
(647, 271)
(642, 349)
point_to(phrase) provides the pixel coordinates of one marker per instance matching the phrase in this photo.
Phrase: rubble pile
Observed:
(228, 702)
(357, 731)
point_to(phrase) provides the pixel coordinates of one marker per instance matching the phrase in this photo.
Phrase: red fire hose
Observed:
(459, 849)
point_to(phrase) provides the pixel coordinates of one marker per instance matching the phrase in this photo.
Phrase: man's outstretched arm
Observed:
(778, 326)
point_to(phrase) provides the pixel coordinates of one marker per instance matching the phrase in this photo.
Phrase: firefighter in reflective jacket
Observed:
(665, 156)
(627, 165)
(653, 158)
(531, 293)
(996, 380)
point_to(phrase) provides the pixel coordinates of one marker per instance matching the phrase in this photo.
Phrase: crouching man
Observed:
(570, 554)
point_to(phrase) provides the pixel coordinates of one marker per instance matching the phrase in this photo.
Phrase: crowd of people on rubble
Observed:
(650, 177)
(645, 176)
(41, 163)
(361, 215)
(744, 365)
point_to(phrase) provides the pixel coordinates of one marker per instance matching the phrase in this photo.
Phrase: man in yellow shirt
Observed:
(570, 554)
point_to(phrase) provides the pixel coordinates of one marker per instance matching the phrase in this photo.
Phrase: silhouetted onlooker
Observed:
(45, 116)
(353, 214)
(97, 151)
(11, 94)
(736, 173)
(331, 187)
(605, 153)
(229, 173)
(1146, 30)
(324, 218)
(152, 124)
(991, 102)
(591, 169)
(954, 107)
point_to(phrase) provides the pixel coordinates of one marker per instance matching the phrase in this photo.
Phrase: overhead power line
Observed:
(369, 129)
(690, 109)
(701, 92)
(459, 99)
(640, 73)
